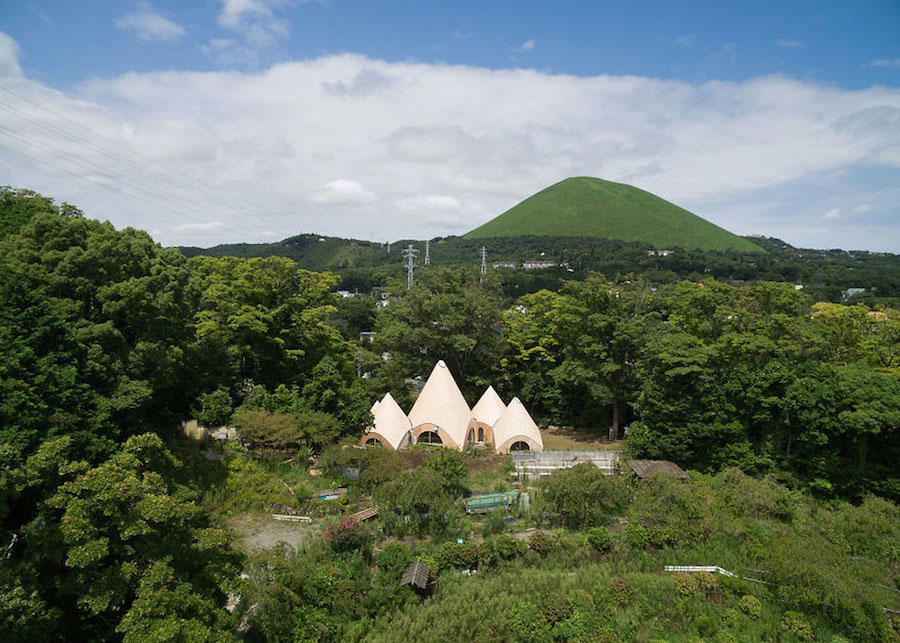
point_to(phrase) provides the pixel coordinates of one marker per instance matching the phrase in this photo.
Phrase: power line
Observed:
(215, 190)
(216, 195)
(157, 198)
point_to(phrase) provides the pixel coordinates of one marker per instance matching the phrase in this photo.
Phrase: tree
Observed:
(215, 408)
(268, 428)
(584, 496)
(414, 502)
(449, 315)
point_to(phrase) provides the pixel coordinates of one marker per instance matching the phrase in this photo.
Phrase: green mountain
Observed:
(588, 207)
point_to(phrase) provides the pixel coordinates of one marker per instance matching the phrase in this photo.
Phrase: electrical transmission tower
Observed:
(409, 253)
(427, 252)
(483, 262)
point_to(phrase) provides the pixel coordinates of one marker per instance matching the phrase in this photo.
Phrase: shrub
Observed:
(451, 465)
(347, 536)
(600, 538)
(380, 466)
(750, 606)
(395, 557)
(622, 591)
(794, 623)
(506, 547)
(542, 543)
(414, 502)
(214, 409)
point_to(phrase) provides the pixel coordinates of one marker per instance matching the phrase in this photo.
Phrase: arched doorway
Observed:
(471, 435)
(430, 437)
(520, 445)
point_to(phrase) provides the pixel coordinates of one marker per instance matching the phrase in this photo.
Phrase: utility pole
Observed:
(409, 253)
(427, 252)
(483, 262)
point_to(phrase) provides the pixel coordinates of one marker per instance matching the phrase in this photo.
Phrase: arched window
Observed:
(481, 434)
(471, 435)
(371, 442)
(430, 437)
(521, 445)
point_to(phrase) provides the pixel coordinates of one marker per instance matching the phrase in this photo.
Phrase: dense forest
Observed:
(783, 405)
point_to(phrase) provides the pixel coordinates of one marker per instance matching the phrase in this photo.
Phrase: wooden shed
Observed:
(416, 576)
(644, 468)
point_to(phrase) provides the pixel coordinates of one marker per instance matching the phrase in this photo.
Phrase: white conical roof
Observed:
(514, 425)
(441, 403)
(374, 406)
(391, 423)
(489, 408)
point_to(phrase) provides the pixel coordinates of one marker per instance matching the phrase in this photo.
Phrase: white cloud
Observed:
(788, 44)
(688, 40)
(358, 147)
(9, 57)
(149, 25)
(833, 213)
(528, 45)
(863, 208)
(344, 192)
(885, 62)
(234, 12)
(202, 227)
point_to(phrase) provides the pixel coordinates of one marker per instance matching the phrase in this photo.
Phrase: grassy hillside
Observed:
(589, 207)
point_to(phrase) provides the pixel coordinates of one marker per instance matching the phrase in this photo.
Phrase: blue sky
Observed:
(389, 119)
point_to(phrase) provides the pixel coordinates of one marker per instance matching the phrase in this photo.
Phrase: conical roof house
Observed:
(391, 428)
(515, 430)
(485, 414)
(441, 414)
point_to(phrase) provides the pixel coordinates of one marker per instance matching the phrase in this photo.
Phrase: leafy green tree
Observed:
(268, 428)
(18, 206)
(414, 502)
(214, 408)
(42, 392)
(449, 315)
(583, 496)
(452, 467)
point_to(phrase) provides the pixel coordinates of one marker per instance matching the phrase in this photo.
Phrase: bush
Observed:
(750, 606)
(542, 543)
(794, 623)
(395, 557)
(380, 466)
(451, 466)
(414, 502)
(506, 547)
(214, 409)
(494, 523)
(584, 496)
(600, 538)
(622, 591)
(347, 536)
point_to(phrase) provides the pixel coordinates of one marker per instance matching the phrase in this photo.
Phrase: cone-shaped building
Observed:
(485, 414)
(391, 428)
(440, 414)
(516, 431)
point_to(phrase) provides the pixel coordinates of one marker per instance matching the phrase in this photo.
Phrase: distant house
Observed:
(505, 264)
(367, 336)
(660, 253)
(850, 292)
(538, 265)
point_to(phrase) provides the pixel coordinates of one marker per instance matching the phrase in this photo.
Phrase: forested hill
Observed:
(824, 274)
(591, 207)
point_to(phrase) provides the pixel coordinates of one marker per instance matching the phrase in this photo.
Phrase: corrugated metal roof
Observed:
(416, 575)
(644, 468)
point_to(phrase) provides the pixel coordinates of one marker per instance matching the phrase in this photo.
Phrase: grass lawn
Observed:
(564, 438)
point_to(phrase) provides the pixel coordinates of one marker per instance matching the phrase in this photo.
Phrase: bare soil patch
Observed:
(259, 531)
